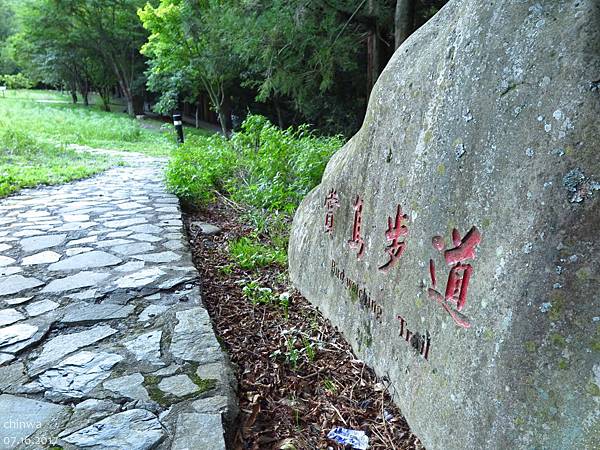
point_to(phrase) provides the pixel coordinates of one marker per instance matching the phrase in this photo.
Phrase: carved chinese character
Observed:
(393, 234)
(455, 296)
(357, 242)
(331, 202)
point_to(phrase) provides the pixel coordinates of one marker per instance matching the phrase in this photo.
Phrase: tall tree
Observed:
(190, 52)
(112, 30)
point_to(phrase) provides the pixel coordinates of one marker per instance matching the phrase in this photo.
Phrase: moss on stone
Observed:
(428, 136)
(165, 399)
(563, 364)
(558, 340)
(530, 346)
(519, 421)
(558, 303)
(441, 169)
(593, 389)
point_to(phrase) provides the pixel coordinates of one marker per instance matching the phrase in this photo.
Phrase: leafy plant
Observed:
(251, 255)
(257, 294)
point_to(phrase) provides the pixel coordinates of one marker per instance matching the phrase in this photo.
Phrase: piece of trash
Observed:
(354, 438)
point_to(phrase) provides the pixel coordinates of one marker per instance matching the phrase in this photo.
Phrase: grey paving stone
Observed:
(112, 243)
(211, 405)
(77, 250)
(61, 345)
(33, 244)
(162, 257)
(77, 375)
(130, 266)
(125, 222)
(85, 240)
(6, 271)
(89, 260)
(174, 245)
(5, 358)
(75, 226)
(146, 229)
(95, 312)
(118, 234)
(6, 261)
(152, 312)
(88, 412)
(193, 338)
(199, 431)
(16, 333)
(136, 429)
(178, 385)
(18, 283)
(76, 218)
(46, 257)
(129, 386)
(10, 316)
(29, 233)
(146, 347)
(145, 237)
(12, 375)
(133, 249)
(26, 414)
(4, 247)
(17, 300)
(82, 279)
(140, 278)
(41, 307)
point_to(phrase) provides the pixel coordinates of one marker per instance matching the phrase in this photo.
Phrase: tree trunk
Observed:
(74, 96)
(403, 21)
(85, 96)
(372, 49)
(197, 114)
(278, 110)
(105, 96)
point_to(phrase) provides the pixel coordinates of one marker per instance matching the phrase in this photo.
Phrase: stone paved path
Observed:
(104, 342)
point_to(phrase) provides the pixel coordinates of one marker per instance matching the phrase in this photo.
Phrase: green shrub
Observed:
(199, 167)
(261, 166)
(18, 81)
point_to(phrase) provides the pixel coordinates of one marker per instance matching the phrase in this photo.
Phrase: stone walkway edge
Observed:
(104, 341)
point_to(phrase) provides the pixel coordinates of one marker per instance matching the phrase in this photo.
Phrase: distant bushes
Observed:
(261, 166)
(18, 81)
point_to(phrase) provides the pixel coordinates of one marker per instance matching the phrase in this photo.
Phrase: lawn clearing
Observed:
(26, 162)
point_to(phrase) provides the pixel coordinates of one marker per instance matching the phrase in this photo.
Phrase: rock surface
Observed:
(454, 238)
(136, 429)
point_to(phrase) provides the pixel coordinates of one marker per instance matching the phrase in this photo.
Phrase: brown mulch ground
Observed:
(286, 406)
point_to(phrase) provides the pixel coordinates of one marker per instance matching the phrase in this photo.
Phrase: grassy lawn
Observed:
(37, 126)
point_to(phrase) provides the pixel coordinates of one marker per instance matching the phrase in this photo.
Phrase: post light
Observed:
(179, 127)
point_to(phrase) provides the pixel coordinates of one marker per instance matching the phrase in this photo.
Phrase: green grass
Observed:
(37, 126)
(65, 123)
(25, 162)
(251, 255)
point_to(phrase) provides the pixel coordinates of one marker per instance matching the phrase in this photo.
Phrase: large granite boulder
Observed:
(455, 238)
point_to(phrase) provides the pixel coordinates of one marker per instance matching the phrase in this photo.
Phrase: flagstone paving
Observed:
(104, 342)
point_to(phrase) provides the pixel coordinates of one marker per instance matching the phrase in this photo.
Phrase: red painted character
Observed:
(394, 233)
(357, 242)
(455, 297)
(331, 202)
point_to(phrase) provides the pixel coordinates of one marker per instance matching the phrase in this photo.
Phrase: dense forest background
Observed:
(294, 61)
